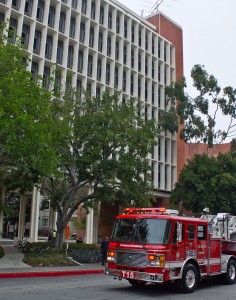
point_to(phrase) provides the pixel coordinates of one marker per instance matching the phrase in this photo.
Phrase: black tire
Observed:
(230, 276)
(189, 280)
(137, 283)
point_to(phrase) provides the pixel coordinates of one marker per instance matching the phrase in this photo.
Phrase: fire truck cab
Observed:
(156, 245)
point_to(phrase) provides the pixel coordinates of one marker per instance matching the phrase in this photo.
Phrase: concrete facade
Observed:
(103, 45)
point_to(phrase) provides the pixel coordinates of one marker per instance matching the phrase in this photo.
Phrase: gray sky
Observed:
(209, 31)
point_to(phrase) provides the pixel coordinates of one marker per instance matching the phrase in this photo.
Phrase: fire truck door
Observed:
(202, 243)
(177, 252)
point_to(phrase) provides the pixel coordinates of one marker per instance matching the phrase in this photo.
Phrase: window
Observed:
(159, 49)
(72, 27)
(28, 7)
(70, 57)
(125, 55)
(16, 4)
(2, 18)
(139, 62)
(109, 20)
(34, 70)
(132, 34)
(125, 29)
(40, 11)
(91, 37)
(131, 84)
(37, 41)
(117, 51)
(146, 41)
(80, 61)
(12, 30)
(116, 78)
(159, 73)
(59, 52)
(153, 45)
(140, 38)
(191, 232)
(159, 97)
(153, 70)
(3, 1)
(201, 232)
(93, 10)
(153, 94)
(64, 1)
(98, 92)
(51, 16)
(46, 77)
(132, 58)
(146, 66)
(108, 46)
(165, 50)
(117, 24)
(146, 91)
(101, 17)
(25, 35)
(82, 33)
(99, 70)
(84, 7)
(79, 85)
(62, 22)
(45, 223)
(57, 82)
(100, 41)
(108, 73)
(74, 4)
(124, 82)
(90, 66)
(48, 47)
(139, 87)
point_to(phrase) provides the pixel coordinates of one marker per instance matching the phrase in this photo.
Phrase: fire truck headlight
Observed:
(155, 260)
(111, 255)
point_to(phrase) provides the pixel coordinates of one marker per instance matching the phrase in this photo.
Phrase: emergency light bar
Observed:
(160, 210)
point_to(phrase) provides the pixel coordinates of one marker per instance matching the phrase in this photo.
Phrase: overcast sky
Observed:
(209, 31)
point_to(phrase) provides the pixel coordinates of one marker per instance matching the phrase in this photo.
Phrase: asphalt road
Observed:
(101, 287)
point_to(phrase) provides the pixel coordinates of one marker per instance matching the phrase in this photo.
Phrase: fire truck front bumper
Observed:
(136, 275)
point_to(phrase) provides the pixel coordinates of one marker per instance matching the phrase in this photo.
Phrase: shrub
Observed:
(81, 246)
(2, 253)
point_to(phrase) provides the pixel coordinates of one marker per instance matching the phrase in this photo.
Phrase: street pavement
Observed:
(11, 266)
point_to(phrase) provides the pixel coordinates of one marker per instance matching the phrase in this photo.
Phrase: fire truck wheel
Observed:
(230, 276)
(189, 280)
(137, 283)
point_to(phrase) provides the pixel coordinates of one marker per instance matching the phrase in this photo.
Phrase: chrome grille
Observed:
(131, 259)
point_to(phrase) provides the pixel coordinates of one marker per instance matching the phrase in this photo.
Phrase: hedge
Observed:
(2, 253)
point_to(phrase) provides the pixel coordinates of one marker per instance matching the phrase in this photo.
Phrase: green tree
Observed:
(101, 146)
(200, 115)
(207, 182)
(77, 149)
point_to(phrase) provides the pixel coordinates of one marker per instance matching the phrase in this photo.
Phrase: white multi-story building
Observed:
(102, 45)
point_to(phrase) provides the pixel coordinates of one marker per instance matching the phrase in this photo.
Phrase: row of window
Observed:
(62, 22)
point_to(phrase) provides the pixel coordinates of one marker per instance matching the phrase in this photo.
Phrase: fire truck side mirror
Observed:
(179, 232)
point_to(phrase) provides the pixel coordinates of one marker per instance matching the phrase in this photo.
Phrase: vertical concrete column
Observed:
(52, 219)
(21, 227)
(2, 197)
(34, 218)
(89, 226)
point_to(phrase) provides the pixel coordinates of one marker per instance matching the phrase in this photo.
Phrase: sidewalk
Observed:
(11, 266)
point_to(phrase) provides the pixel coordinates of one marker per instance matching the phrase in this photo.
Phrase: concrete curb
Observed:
(49, 273)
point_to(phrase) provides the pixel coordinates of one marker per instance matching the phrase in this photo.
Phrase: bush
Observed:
(81, 246)
(47, 259)
(37, 247)
(2, 253)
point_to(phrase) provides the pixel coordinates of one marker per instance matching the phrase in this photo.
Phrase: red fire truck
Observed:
(156, 245)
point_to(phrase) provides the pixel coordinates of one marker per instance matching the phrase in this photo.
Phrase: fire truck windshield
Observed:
(148, 231)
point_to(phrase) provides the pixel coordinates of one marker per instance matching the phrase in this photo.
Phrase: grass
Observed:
(47, 259)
